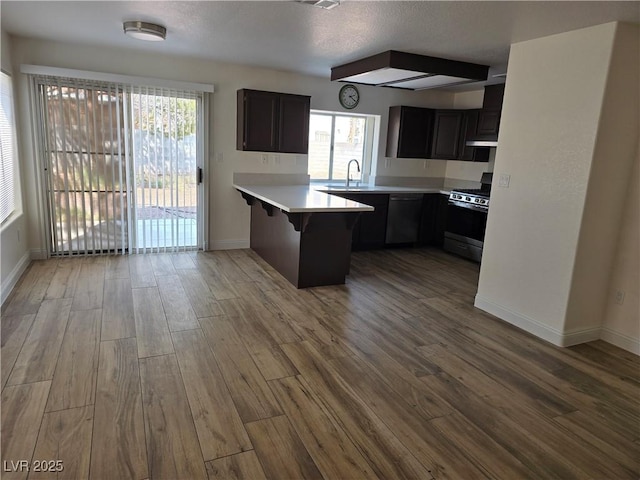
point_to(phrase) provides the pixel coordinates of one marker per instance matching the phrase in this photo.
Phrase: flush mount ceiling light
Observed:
(145, 31)
(325, 4)
(409, 71)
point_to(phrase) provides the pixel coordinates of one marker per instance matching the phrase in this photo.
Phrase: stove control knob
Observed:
(467, 199)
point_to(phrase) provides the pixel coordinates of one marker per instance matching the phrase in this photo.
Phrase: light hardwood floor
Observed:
(201, 365)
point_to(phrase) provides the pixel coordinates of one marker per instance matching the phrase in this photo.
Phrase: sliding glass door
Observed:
(165, 159)
(121, 167)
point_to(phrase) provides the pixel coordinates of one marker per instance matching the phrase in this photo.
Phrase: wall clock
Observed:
(349, 96)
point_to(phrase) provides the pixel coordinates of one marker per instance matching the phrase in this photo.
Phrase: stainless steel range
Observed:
(467, 220)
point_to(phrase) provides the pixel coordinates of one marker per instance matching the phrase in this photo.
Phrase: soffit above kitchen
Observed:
(409, 71)
(291, 36)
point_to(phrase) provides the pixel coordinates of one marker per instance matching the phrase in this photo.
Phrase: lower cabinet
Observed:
(371, 228)
(434, 218)
(369, 231)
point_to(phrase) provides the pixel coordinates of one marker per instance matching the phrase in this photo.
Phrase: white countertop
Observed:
(302, 199)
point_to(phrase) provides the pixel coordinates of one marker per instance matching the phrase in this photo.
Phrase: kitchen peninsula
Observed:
(303, 233)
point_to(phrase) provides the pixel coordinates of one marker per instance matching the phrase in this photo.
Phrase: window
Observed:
(8, 148)
(334, 139)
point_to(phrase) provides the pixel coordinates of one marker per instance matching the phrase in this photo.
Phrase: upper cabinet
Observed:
(447, 129)
(272, 122)
(489, 117)
(468, 132)
(409, 132)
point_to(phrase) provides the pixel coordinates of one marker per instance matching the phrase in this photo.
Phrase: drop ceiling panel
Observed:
(384, 75)
(432, 82)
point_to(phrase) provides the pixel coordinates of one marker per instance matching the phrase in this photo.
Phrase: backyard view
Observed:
(347, 134)
(165, 153)
(93, 205)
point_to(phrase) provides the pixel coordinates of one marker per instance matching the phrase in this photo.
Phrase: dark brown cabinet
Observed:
(432, 225)
(469, 131)
(409, 132)
(447, 129)
(272, 122)
(489, 117)
(371, 227)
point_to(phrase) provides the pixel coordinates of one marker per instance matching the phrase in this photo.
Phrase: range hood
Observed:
(482, 143)
(409, 71)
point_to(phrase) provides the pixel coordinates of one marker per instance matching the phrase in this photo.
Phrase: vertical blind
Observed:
(120, 165)
(83, 148)
(7, 148)
(165, 152)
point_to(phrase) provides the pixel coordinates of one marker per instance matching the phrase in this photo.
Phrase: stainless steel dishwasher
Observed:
(403, 219)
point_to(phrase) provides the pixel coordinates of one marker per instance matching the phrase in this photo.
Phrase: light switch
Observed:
(504, 180)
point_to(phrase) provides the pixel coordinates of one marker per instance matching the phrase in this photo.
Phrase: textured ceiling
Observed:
(291, 36)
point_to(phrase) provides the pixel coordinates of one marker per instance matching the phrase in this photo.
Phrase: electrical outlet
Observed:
(424, 165)
(504, 180)
(265, 159)
(619, 297)
(276, 159)
(219, 157)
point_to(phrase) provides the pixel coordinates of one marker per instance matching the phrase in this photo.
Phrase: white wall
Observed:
(229, 216)
(14, 254)
(621, 323)
(615, 151)
(551, 119)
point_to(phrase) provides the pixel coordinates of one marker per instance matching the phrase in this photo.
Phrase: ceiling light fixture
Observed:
(145, 31)
(325, 4)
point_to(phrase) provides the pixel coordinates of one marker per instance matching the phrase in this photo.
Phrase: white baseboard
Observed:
(625, 342)
(561, 339)
(521, 321)
(581, 336)
(14, 276)
(229, 244)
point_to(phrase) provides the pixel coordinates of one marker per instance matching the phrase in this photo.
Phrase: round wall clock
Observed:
(349, 96)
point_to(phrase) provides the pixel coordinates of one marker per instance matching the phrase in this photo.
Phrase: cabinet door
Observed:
(259, 121)
(493, 95)
(371, 228)
(293, 131)
(488, 122)
(428, 219)
(409, 132)
(469, 131)
(446, 134)
(440, 224)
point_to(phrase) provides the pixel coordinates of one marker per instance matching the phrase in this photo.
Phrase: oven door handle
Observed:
(468, 206)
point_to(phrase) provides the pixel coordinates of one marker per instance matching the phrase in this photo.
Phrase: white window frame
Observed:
(14, 188)
(371, 126)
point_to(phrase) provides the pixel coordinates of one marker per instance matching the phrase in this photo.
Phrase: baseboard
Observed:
(521, 321)
(228, 244)
(625, 342)
(554, 336)
(581, 336)
(14, 276)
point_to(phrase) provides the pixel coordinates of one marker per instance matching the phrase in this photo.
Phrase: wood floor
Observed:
(201, 365)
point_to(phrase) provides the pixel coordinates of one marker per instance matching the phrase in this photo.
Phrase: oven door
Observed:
(466, 222)
(464, 232)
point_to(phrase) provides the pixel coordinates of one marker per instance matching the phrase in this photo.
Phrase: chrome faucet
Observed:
(349, 170)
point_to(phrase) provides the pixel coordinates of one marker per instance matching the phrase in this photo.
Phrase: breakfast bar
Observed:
(303, 233)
